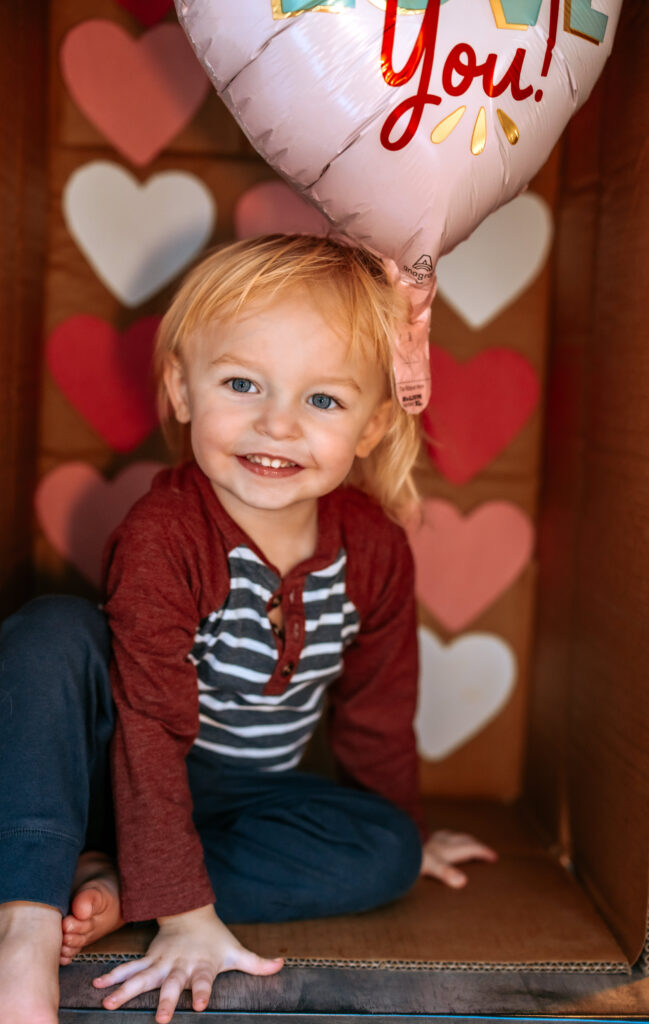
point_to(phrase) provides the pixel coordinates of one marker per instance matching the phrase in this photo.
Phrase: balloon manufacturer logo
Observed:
(422, 269)
(462, 65)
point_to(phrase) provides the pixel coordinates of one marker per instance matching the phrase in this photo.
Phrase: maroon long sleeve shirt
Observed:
(183, 584)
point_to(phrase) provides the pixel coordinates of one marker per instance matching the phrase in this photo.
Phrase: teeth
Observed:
(263, 460)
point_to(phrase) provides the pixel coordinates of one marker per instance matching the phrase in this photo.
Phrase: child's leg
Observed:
(55, 722)
(290, 845)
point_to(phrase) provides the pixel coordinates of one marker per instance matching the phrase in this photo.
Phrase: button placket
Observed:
(277, 629)
(292, 636)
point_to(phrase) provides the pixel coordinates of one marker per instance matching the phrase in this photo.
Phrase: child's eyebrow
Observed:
(235, 360)
(341, 382)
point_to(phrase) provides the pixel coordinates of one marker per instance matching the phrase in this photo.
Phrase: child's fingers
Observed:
(145, 981)
(122, 972)
(170, 991)
(469, 851)
(251, 963)
(202, 982)
(452, 877)
(454, 847)
(435, 867)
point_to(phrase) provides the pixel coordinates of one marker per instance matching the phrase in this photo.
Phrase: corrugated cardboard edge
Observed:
(576, 967)
(643, 962)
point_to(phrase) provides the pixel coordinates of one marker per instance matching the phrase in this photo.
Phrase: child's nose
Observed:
(278, 421)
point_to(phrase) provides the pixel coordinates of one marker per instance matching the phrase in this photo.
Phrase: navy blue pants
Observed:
(278, 846)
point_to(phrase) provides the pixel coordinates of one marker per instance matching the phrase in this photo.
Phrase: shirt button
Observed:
(291, 596)
(288, 668)
(296, 629)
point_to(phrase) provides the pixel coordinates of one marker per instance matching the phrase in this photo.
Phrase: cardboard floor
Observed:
(525, 912)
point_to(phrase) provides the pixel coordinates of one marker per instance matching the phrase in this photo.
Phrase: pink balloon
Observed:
(405, 124)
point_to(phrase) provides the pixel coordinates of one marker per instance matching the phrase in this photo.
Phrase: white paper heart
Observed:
(496, 264)
(462, 687)
(137, 237)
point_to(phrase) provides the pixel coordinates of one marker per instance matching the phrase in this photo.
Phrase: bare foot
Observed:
(95, 904)
(30, 942)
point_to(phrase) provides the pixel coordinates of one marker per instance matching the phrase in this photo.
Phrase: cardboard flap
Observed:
(606, 680)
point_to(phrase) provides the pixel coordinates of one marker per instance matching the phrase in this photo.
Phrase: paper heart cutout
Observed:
(476, 408)
(273, 207)
(78, 509)
(137, 237)
(107, 376)
(138, 92)
(462, 687)
(148, 12)
(463, 563)
(498, 262)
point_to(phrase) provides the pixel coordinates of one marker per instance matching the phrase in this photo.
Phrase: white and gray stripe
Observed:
(235, 654)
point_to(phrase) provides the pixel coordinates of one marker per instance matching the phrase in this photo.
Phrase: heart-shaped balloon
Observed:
(405, 121)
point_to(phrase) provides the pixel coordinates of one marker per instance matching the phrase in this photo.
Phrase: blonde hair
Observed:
(350, 284)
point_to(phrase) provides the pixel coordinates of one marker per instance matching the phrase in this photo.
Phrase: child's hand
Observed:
(444, 849)
(188, 952)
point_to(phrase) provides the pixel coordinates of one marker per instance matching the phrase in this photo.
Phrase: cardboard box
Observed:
(570, 891)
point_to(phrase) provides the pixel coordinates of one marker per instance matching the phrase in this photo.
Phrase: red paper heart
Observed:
(148, 12)
(138, 92)
(463, 563)
(78, 510)
(107, 376)
(476, 408)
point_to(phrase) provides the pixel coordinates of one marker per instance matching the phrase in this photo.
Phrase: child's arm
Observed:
(188, 952)
(373, 706)
(153, 614)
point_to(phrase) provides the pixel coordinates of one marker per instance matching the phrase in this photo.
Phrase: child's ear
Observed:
(376, 428)
(176, 385)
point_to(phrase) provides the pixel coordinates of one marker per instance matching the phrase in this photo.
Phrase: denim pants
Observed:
(278, 846)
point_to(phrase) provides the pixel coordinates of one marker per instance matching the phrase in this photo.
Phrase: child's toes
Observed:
(68, 952)
(75, 933)
(88, 903)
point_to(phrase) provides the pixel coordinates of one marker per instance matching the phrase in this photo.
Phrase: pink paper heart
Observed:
(78, 509)
(463, 563)
(148, 12)
(138, 92)
(273, 207)
(107, 376)
(476, 408)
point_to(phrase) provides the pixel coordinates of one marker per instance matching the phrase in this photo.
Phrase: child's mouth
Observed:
(269, 465)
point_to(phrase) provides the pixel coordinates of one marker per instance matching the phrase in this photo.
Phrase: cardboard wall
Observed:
(23, 190)
(83, 477)
(588, 762)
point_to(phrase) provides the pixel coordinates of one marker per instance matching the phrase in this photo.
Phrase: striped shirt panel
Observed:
(235, 654)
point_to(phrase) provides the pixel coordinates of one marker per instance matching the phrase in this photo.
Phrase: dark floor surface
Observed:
(307, 995)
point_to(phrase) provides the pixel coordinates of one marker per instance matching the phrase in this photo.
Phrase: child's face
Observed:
(280, 385)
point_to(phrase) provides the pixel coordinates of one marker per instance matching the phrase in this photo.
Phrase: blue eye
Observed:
(323, 401)
(240, 384)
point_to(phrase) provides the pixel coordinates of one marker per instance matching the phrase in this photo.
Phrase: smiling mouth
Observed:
(270, 462)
